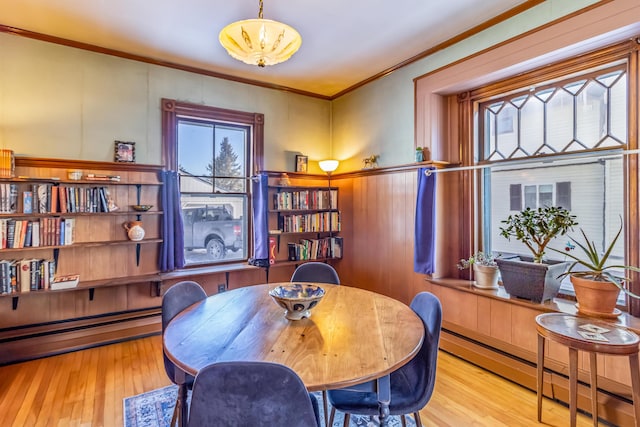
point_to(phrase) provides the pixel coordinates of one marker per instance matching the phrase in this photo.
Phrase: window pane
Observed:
(515, 194)
(229, 162)
(214, 228)
(195, 147)
(597, 188)
(545, 196)
(530, 197)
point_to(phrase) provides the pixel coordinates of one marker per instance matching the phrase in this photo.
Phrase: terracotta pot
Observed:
(486, 276)
(595, 298)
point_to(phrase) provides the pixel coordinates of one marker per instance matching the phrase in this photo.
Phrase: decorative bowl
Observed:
(297, 299)
(141, 208)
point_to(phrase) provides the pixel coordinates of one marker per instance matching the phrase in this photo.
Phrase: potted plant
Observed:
(596, 284)
(536, 228)
(485, 269)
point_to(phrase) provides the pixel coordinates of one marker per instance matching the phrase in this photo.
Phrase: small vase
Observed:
(134, 229)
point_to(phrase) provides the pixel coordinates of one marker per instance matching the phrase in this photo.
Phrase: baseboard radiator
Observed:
(34, 341)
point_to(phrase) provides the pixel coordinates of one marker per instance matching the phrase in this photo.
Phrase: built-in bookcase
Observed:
(304, 224)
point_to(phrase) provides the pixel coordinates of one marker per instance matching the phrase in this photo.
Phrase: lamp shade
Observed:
(328, 165)
(260, 41)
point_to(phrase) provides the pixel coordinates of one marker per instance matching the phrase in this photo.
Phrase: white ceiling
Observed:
(344, 42)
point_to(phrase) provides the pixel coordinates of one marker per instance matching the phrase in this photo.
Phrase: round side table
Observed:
(593, 336)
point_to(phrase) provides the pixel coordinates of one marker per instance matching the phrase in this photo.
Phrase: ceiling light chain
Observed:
(260, 41)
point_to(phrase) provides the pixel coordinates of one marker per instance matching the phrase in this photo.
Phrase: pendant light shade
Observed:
(260, 41)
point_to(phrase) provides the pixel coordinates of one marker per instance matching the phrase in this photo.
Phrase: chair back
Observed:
(420, 373)
(177, 298)
(250, 394)
(315, 272)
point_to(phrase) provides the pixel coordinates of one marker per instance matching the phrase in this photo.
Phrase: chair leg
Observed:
(330, 423)
(403, 418)
(176, 411)
(347, 419)
(416, 417)
(325, 405)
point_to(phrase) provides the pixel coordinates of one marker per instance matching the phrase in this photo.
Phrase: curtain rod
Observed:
(549, 159)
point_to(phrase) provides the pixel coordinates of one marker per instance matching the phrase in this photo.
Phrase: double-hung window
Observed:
(557, 137)
(215, 153)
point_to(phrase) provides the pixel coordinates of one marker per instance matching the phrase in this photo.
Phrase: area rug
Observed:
(154, 409)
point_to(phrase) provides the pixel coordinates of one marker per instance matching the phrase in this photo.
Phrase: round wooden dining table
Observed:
(353, 336)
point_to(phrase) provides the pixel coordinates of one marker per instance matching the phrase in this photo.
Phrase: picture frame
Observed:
(125, 152)
(302, 163)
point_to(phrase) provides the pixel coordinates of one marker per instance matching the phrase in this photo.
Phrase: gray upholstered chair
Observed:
(412, 384)
(315, 272)
(230, 394)
(321, 273)
(177, 298)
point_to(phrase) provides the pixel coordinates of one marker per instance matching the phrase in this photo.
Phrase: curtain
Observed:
(425, 230)
(259, 207)
(172, 249)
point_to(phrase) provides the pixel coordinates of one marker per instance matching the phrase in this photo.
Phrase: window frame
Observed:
(467, 110)
(173, 110)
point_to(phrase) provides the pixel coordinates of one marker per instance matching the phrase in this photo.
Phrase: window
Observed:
(558, 143)
(215, 152)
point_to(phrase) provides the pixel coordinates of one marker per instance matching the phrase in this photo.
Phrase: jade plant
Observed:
(537, 227)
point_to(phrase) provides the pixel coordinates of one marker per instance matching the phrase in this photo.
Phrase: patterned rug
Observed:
(154, 409)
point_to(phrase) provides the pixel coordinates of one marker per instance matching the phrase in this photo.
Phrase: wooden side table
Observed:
(593, 336)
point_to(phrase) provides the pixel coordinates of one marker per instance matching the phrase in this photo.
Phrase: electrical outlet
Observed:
(221, 287)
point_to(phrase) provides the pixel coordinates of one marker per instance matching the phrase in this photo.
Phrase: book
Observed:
(64, 282)
(25, 275)
(27, 202)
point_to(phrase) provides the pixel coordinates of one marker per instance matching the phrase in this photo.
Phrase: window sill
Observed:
(557, 305)
(210, 269)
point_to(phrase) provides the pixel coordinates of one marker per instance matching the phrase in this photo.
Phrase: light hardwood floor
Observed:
(86, 388)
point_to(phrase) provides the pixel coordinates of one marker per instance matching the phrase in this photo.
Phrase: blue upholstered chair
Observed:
(177, 298)
(315, 272)
(412, 384)
(231, 394)
(321, 273)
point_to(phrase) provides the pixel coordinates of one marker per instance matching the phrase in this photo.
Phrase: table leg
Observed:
(593, 367)
(573, 385)
(384, 398)
(540, 376)
(635, 385)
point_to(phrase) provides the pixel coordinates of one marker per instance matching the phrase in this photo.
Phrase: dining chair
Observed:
(243, 393)
(315, 272)
(321, 273)
(177, 298)
(411, 385)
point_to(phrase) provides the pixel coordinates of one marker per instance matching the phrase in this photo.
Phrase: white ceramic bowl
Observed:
(297, 299)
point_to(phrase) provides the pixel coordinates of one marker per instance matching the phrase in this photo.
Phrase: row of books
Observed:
(310, 249)
(313, 222)
(8, 197)
(7, 163)
(306, 199)
(17, 233)
(26, 275)
(49, 198)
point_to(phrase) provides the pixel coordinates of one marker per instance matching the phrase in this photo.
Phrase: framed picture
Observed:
(301, 163)
(125, 152)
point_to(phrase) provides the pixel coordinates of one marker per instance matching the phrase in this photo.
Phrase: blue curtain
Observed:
(425, 231)
(172, 249)
(259, 195)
